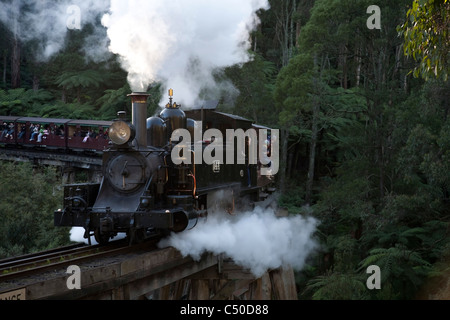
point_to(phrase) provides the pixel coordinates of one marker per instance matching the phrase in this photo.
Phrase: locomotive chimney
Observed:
(139, 117)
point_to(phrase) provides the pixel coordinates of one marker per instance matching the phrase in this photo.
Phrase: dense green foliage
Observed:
(376, 142)
(365, 145)
(26, 209)
(427, 35)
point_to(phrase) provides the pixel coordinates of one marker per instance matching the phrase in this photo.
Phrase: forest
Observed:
(365, 135)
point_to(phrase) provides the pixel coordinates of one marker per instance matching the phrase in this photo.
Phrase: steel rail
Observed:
(12, 261)
(38, 264)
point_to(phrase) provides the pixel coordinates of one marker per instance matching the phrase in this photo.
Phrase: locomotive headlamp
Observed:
(121, 132)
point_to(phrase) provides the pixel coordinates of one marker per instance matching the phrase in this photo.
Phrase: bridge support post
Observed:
(68, 175)
(95, 176)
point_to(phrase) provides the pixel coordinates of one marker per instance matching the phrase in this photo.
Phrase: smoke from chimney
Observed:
(178, 43)
(49, 21)
(181, 43)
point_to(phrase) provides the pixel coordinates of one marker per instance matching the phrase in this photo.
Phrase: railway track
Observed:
(37, 263)
(115, 271)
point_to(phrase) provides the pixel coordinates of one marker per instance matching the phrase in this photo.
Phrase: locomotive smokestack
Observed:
(139, 117)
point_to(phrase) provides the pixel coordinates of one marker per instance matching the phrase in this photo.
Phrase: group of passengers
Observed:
(7, 131)
(38, 132)
(91, 134)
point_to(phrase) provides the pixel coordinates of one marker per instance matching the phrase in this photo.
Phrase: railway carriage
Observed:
(88, 135)
(67, 135)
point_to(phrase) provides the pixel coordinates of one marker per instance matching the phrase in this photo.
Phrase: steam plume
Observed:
(257, 240)
(48, 22)
(77, 235)
(181, 43)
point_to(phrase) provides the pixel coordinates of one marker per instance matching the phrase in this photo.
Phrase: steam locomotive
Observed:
(149, 188)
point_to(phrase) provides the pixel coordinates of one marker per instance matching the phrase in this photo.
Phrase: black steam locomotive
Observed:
(146, 192)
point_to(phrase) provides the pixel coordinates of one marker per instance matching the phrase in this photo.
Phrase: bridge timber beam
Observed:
(69, 163)
(52, 158)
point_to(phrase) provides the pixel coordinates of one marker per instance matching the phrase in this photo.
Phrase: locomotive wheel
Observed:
(101, 238)
(136, 235)
(140, 235)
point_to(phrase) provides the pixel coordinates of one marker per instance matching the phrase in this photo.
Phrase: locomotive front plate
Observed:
(126, 172)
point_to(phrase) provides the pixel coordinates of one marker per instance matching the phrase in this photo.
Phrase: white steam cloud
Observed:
(77, 235)
(178, 43)
(48, 22)
(256, 240)
(181, 43)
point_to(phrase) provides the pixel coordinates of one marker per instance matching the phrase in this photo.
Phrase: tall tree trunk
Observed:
(312, 150)
(343, 64)
(283, 165)
(284, 29)
(358, 60)
(290, 164)
(381, 155)
(15, 64)
(36, 83)
(15, 56)
(5, 57)
(316, 100)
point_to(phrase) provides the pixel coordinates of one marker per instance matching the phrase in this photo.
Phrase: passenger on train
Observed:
(4, 129)
(103, 133)
(60, 130)
(9, 131)
(88, 135)
(34, 129)
(23, 130)
(43, 132)
(91, 134)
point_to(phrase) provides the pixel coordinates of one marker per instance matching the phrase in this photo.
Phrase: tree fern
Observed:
(77, 79)
(20, 102)
(112, 102)
(403, 269)
(337, 286)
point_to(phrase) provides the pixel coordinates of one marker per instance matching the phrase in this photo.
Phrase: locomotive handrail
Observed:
(149, 182)
(194, 191)
(77, 198)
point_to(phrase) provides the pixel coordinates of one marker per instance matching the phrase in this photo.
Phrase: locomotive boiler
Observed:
(144, 192)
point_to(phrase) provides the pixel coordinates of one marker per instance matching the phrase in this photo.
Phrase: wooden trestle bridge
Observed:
(142, 272)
